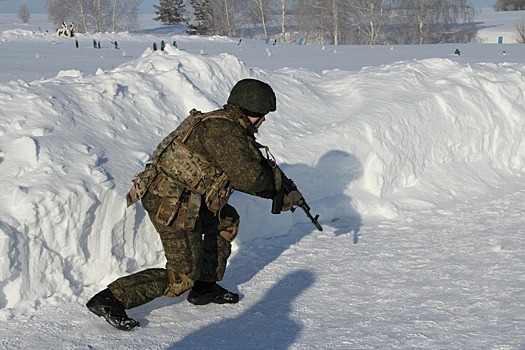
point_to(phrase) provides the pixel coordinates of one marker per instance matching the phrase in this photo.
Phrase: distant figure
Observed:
(64, 31)
(457, 53)
(94, 43)
(154, 46)
(162, 45)
(239, 43)
(174, 43)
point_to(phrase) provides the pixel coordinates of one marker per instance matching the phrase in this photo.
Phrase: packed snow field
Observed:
(413, 157)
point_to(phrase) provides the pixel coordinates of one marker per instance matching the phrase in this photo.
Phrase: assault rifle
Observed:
(287, 186)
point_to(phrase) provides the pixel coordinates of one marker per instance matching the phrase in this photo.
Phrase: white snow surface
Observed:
(413, 157)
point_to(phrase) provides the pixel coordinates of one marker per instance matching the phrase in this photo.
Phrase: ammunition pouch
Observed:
(190, 170)
(141, 183)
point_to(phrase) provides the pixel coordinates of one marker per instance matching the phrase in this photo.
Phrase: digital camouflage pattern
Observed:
(199, 250)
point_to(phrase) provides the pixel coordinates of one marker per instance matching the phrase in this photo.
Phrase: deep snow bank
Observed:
(352, 142)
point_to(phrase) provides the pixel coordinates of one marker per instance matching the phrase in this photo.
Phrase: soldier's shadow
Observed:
(333, 173)
(266, 325)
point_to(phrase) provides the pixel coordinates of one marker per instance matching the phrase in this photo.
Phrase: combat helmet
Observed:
(254, 97)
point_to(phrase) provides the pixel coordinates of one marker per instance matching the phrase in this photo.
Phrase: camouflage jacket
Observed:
(230, 145)
(219, 153)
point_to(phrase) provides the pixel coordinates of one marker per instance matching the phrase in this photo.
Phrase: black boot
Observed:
(204, 293)
(104, 304)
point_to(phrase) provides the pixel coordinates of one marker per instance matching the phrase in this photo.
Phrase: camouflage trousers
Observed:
(199, 254)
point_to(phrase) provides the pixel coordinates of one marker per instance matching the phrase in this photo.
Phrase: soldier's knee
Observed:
(229, 223)
(179, 284)
(228, 212)
(230, 233)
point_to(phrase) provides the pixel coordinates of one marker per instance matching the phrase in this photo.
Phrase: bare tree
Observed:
(225, 17)
(283, 20)
(229, 15)
(425, 17)
(314, 20)
(434, 21)
(335, 20)
(95, 15)
(368, 17)
(260, 11)
(23, 13)
(520, 28)
(124, 15)
(509, 5)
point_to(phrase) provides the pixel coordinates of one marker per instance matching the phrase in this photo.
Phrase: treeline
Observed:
(509, 5)
(332, 21)
(95, 15)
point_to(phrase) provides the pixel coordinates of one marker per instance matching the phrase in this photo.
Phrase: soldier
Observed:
(185, 190)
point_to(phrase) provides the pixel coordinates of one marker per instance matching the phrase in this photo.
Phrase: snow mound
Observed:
(361, 138)
(22, 34)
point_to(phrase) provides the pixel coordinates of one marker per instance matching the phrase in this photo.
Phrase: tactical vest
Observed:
(182, 177)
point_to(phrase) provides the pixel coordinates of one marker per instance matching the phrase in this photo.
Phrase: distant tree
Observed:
(23, 13)
(509, 5)
(434, 21)
(218, 17)
(283, 20)
(320, 20)
(368, 17)
(344, 21)
(204, 20)
(520, 28)
(170, 12)
(124, 15)
(228, 11)
(260, 12)
(95, 15)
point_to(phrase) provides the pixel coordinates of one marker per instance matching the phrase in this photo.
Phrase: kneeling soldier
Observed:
(185, 190)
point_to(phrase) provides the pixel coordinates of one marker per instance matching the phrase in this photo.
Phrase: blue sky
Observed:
(37, 6)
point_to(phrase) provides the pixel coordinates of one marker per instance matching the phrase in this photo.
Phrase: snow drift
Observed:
(361, 142)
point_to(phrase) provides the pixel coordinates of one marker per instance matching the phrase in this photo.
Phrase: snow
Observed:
(494, 25)
(413, 158)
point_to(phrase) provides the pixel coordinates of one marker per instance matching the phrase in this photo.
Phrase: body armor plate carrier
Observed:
(182, 177)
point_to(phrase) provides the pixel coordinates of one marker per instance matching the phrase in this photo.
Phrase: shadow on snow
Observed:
(268, 324)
